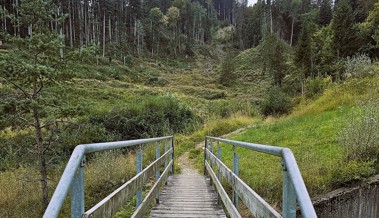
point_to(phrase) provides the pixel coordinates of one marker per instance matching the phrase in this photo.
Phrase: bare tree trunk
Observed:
(110, 29)
(293, 23)
(42, 158)
(104, 36)
(70, 27)
(271, 21)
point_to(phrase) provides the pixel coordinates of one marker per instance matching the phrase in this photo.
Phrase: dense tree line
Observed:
(301, 40)
(120, 27)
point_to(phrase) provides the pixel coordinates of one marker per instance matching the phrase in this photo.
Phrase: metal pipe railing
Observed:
(73, 175)
(293, 183)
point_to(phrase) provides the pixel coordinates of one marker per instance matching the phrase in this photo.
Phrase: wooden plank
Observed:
(188, 196)
(232, 210)
(256, 204)
(110, 205)
(141, 210)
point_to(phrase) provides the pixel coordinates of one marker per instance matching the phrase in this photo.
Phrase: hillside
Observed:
(322, 133)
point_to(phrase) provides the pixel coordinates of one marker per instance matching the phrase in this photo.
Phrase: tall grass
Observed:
(104, 172)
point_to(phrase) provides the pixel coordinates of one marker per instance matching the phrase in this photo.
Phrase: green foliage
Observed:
(357, 66)
(304, 52)
(326, 13)
(345, 32)
(315, 87)
(228, 108)
(273, 56)
(154, 116)
(360, 137)
(352, 171)
(227, 75)
(276, 102)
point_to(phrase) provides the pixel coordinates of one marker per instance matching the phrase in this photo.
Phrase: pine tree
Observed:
(26, 72)
(326, 13)
(303, 52)
(345, 39)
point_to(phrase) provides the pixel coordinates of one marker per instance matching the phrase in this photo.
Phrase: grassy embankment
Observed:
(311, 132)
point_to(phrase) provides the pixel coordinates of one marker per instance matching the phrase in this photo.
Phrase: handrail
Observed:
(293, 183)
(73, 174)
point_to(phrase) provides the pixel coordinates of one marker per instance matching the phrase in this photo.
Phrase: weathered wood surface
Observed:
(188, 196)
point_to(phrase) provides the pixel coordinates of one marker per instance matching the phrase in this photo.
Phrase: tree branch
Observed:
(18, 87)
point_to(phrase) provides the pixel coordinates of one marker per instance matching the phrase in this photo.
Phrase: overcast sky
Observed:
(251, 2)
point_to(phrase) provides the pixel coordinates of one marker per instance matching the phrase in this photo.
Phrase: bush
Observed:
(316, 86)
(227, 75)
(276, 102)
(357, 66)
(361, 136)
(228, 108)
(154, 116)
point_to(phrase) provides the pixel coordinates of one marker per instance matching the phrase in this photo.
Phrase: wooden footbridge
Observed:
(178, 195)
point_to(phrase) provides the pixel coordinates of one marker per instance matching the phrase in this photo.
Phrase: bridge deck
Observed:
(188, 196)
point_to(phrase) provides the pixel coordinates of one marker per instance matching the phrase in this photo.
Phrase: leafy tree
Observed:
(370, 29)
(156, 23)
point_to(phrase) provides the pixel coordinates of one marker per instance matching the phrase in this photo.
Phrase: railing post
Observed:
(235, 171)
(165, 150)
(172, 156)
(77, 192)
(205, 155)
(138, 170)
(289, 195)
(219, 171)
(210, 161)
(157, 171)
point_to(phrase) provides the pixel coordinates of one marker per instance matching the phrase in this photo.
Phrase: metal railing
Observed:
(293, 185)
(73, 178)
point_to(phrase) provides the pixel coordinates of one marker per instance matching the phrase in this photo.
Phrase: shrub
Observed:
(154, 116)
(316, 86)
(357, 66)
(228, 108)
(276, 102)
(361, 136)
(227, 75)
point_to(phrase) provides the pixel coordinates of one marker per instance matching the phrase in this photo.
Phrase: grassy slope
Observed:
(103, 87)
(311, 133)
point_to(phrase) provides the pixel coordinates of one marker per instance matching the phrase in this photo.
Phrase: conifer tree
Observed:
(326, 13)
(345, 38)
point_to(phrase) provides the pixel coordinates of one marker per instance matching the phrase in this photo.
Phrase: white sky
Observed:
(251, 2)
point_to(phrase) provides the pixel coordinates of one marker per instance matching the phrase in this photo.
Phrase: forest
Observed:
(88, 71)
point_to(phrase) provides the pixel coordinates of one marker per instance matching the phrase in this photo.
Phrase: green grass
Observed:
(311, 133)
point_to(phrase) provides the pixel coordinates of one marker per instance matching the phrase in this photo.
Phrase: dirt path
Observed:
(186, 165)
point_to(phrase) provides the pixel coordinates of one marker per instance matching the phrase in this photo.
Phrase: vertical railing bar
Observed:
(289, 195)
(210, 162)
(219, 170)
(205, 155)
(157, 171)
(237, 173)
(172, 155)
(165, 150)
(77, 192)
(138, 170)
